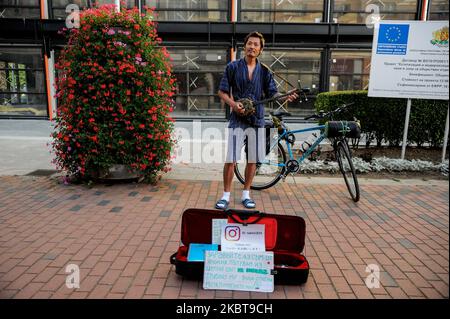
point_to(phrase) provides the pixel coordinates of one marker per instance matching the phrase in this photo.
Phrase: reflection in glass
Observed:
(20, 9)
(358, 11)
(198, 73)
(439, 10)
(349, 70)
(59, 6)
(22, 82)
(385, 5)
(189, 10)
(294, 11)
(362, 18)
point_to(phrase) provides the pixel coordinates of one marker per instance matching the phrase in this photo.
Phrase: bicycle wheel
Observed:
(268, 172)
(347, 169)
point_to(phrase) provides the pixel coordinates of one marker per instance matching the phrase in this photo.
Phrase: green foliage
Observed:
(383, 119)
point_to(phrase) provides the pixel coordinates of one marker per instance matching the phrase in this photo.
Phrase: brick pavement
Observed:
(121, 237)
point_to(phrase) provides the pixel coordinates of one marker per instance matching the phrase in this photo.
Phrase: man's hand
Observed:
(238, 107)
(292, 97)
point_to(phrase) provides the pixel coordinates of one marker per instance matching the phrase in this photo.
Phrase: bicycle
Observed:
(276, 165)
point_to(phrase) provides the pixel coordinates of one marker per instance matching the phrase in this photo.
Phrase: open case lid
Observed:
(196, 227)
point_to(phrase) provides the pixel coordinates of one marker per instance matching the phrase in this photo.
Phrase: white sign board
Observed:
(237, 237)
(410, 60)
(239, 271)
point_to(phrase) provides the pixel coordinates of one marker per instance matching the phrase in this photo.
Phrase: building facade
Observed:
(324, 44)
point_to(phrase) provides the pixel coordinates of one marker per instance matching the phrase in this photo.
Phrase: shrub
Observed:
(114, 91)
(383, 119)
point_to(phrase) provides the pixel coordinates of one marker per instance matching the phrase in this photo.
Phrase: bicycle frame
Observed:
(288, 145)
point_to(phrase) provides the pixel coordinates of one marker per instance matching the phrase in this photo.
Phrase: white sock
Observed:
(245, 194)
(226, 196)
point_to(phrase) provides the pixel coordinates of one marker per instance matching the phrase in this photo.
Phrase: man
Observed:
(246, 78)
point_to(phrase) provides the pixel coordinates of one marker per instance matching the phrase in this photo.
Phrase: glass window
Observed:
(22, 82)
(20, 9)
(198, 73)
(59, 6)
(354, 11)
(189, 10)
(293, 66)
(281, 11)
(438, 10)
(349, 70)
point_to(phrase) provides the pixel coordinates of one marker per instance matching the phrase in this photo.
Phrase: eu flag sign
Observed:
(393, 39)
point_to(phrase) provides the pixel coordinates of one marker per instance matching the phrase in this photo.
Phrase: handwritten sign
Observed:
(244, 271)
(237, 237)
(217, 230)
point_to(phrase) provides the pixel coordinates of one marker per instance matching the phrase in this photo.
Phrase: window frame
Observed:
(432, 12)
(352, 74)
(273, 13)
(89, 2)
(188, 94)
(333, 11)
(227, 10)
(16, 70)
(38, 7)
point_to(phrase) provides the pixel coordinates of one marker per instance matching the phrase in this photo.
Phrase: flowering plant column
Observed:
(114, 91)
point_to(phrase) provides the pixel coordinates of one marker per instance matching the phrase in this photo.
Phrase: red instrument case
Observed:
(284, 235)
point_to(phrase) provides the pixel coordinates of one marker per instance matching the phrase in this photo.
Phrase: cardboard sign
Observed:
(244, 271)
(217, 229)
(237, 237)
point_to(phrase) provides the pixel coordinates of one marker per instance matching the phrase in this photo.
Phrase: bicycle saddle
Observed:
(280, 114)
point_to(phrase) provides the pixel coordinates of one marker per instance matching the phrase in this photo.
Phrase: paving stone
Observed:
(165, 213)
(406, 243)
(116, 209)
(76, 208)
(103, 203)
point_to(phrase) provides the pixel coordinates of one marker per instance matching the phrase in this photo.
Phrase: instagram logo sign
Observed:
(232, 233)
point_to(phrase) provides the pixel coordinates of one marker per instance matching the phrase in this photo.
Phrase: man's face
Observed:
(253, 47)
